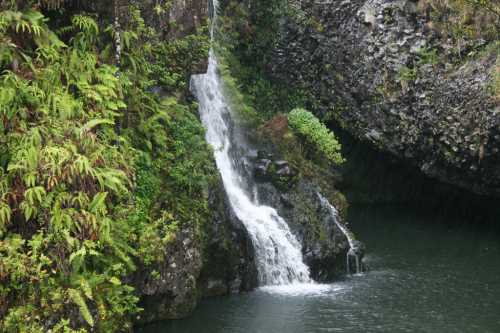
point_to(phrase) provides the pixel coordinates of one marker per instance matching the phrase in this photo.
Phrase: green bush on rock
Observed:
(316, 134)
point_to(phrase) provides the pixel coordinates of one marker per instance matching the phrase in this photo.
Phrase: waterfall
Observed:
(356, 248)
(277, 251)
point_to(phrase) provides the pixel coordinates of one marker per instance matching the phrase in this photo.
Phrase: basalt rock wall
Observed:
(379, 70)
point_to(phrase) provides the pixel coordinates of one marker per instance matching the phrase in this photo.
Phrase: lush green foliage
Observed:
(240, 102)
(245, 41)
(260, 99)
(315, 134)
(464, 19)
(174, 61)
(95, 169)
(255, 31)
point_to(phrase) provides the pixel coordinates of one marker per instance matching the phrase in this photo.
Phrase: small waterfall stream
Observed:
(278, 253)
(356, 248)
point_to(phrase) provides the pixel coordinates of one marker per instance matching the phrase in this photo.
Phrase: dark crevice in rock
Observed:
(371, 176)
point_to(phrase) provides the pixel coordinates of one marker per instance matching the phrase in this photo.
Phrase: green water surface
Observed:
(426, 275)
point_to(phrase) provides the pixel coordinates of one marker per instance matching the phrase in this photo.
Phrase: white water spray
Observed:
(277, 251)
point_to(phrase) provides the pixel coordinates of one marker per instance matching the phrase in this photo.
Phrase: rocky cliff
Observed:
(381, 70)
(285, 179)
(218, 258)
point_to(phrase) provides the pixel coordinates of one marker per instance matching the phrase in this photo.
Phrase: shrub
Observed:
(320, 138)
(464, 19)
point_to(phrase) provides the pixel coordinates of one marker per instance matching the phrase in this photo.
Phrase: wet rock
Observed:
(228, 252)
(264, 155)
(281, 164)
(171, 291)
(284, 171)
(219, 263)
(216, 288)
(286, 200)
(324, 246)
(278, 172)
(262, 169)
(358, 248)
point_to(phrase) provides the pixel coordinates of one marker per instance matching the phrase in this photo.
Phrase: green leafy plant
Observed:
(85, 148)
(406, 75)
(320, 138)
(428, 56)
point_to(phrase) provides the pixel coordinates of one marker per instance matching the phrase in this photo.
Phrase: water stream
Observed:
(425, 276)
(277, 251)
(356, 248)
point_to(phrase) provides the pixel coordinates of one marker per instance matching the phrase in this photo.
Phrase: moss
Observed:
(340, 202)
(494, 85)
(464, 19)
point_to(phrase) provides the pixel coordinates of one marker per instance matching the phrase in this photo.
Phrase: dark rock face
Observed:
(373, 177)
(189, 15)
(178, 19)
(183, 17)
(215, 260)
(173, 292)
(229, 265)
(278, 172)
(324, 246)
(368, 65)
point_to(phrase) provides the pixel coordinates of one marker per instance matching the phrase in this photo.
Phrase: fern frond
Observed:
(78, 299)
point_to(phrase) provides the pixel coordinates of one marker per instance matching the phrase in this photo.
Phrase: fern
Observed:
(316, 134)
(66, 170)
(5, 216)
(77, 298)
(98, 206)
(93, 123)
(86, 24)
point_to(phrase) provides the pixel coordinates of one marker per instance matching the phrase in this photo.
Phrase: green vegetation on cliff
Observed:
(245, 40)
(464, 19)
(97, 171)
(315, 134)
(247, 37)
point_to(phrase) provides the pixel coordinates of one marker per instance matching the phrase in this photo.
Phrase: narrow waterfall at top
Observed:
(356, 248)
(277, 251)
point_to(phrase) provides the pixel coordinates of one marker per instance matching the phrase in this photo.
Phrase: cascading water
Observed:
(356, 248)
(278, 253)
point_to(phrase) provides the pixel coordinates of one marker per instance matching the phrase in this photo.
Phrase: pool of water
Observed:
(426, 275)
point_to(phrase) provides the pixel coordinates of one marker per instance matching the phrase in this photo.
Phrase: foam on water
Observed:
(303, 289)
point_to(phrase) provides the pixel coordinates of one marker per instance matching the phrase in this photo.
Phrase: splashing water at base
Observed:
(278, 253)
(301, 289)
